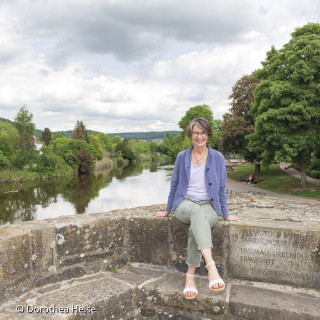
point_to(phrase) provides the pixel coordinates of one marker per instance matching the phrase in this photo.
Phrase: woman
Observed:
(197, 197)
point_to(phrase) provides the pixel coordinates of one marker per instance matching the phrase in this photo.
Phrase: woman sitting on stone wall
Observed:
(198, 197)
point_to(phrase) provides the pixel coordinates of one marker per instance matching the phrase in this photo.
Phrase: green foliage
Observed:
(286, 107)
(49, 162)
(116, 139)
(25, 127)
(4, 162)
(69, 151)
(120, 161)
(122, 148)
(315, 174)
(95, 142)
(315, 165)
(46, 136)
(9, 141)
(153, 147)
(201, 111)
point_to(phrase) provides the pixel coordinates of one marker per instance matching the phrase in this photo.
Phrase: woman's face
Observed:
(199, 137)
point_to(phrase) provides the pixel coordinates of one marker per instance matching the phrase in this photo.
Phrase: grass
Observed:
(277, 180)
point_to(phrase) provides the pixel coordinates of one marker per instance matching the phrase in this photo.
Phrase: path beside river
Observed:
(237, 186)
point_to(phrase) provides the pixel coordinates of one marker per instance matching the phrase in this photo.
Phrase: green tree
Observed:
(4, 162)
(116, 139)
(105, 140)
(80, 132)
(287, 101)
(95, 142)
(200, 111)
(153, 147)
(46, 136)
(9, 141)
(25, 127)
(122, 149)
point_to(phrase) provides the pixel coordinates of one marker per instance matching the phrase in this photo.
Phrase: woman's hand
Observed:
(232, 218)
(161, 213)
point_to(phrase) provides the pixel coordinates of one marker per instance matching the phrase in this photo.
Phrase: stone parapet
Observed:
(276, 242)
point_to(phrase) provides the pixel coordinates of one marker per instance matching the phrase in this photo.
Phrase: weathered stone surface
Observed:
(275, 253)
(15, 261)
(148, 240)
(250, 302)
(93, 297)
(141, 291)
(96, 242)
(167, 292)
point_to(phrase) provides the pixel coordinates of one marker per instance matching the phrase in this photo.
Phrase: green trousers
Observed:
(202, 217)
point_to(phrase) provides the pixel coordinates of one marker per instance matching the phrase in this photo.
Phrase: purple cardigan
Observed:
(215, 177)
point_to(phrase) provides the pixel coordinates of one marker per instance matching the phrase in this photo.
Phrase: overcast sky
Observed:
(134, 65)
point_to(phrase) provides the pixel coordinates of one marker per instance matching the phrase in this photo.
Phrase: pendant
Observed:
(197, 161)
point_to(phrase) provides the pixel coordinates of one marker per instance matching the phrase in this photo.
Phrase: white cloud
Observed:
(134, 65)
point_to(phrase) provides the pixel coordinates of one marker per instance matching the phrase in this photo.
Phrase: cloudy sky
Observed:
(134, 65)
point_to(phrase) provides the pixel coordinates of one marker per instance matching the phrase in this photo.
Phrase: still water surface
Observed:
(135, 185)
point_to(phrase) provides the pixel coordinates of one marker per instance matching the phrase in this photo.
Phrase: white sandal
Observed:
(217, 281)
(190, 289)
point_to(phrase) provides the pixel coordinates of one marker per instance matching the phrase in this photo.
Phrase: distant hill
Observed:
(148, 135)
(7, 120)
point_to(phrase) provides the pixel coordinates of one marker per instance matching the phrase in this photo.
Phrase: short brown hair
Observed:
(202, 123)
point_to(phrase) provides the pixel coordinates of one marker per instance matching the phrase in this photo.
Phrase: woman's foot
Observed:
(216, 284)
(190, 291)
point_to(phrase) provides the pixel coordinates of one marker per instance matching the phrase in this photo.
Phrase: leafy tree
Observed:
(9, 141)
(46, 136)
(50, 162)
(116, 139)
(95, 142)
(4, 162)
(153, 147)
(105, 141)
(238, 122)
(25, 127)
(69, 151)
(200, 111)
(287, 101)
(122, 149)
(80, 132)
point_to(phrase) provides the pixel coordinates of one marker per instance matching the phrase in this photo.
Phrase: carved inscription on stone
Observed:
(275, 255)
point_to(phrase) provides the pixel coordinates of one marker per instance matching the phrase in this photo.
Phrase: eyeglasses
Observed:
(202, 134)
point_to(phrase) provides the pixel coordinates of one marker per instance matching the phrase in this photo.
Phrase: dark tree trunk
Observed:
(303, 174)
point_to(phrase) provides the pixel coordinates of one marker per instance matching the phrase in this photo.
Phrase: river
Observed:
(131, 186)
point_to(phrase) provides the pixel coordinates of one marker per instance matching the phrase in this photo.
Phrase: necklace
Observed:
(198, 160)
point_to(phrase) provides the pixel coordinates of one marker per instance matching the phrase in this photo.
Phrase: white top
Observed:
(197, 189)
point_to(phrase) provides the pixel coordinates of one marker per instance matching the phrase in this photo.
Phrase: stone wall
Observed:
(275, 242)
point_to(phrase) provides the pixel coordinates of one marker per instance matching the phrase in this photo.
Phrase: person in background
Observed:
(198, 198)
(251, 178)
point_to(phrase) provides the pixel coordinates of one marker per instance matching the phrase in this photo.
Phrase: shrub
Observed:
(4, 162)
(120, 161)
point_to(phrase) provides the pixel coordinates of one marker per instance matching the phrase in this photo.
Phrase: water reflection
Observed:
(132, 186)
